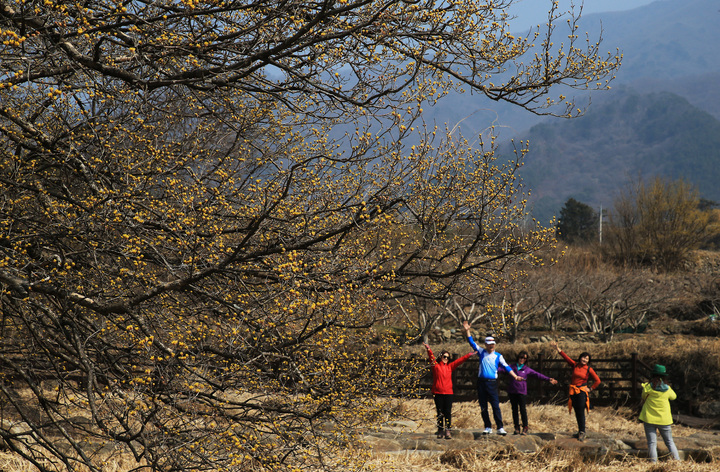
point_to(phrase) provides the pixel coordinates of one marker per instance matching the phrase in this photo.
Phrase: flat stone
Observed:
(527, 443)
(494, 437)
(463, 434)
(568, 443)
(695, 422)
(381, 444)
(403, 424)
(545, 436)
(706, 438)
(415, 453)
(389, 433)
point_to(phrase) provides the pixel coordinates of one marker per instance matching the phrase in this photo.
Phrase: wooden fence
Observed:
(621, 379)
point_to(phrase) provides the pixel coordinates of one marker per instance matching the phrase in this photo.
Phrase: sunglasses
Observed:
(445, 356)
(523, 357)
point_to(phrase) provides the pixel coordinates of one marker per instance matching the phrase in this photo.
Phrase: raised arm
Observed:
(456, 363)
(430, 354)
(466, 331)
(567, 358)
(466, 328)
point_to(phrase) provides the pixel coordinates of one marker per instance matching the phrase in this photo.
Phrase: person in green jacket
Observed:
(656, 414)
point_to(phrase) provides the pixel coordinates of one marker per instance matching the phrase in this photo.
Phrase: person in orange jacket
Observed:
(582, 373)
(442, 388)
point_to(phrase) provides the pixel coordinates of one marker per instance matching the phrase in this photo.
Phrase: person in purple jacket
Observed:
(517, 390)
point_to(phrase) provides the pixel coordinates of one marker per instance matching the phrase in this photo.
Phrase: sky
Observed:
(533, 12)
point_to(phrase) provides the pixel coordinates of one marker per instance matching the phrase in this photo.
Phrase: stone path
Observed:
(406, 437)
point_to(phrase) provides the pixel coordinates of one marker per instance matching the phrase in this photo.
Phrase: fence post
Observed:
(633, 381)
(540, 369)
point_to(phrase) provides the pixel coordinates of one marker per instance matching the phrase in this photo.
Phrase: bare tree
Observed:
(460, 312)
(605, 302)
(421, 316)
(546, 290)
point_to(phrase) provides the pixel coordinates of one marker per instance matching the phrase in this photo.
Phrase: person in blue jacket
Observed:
(487, 386)
(517, 390)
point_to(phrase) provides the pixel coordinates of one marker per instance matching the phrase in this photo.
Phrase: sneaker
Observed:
(487, 431)
(447, 434)
(581, 436)
(517, 431)
(525, 430)
(502, 432)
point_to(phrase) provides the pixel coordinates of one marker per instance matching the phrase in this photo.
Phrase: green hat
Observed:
(659, 370)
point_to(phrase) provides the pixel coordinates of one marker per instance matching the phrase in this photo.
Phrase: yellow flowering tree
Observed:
(194, 249)
(657, 223)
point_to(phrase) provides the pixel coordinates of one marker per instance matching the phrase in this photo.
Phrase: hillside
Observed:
(660, 118)
(593, 157)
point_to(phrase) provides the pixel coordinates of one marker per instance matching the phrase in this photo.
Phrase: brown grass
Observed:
(13, 463)
(548, 459)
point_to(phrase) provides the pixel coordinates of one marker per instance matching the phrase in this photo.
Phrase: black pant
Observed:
(519, 411)
(579, 403)
(443, 408)
(488, 392)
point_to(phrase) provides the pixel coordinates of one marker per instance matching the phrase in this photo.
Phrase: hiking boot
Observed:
(502, 432)
(447, 434)
(517, 431)
(581, 436)
(440, 433)
(487, 431)
(525, 430)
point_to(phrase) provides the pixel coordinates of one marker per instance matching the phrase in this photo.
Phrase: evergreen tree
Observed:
(578, 222)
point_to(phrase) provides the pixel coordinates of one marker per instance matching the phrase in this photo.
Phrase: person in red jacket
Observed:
(581, 376)
(442, 388)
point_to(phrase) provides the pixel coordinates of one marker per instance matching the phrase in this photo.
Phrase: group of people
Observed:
(656, 396)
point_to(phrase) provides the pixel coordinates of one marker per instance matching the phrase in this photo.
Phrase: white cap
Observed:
(489, 340)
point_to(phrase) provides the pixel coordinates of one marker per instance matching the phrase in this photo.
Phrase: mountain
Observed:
(660, 118)
(666, 44)
(533, 12)
(634, 135)
(662, 42)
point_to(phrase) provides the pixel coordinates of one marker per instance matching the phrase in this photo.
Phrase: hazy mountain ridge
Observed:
(660, 118)
(665, 39)
(662, 44)
(635, 135)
